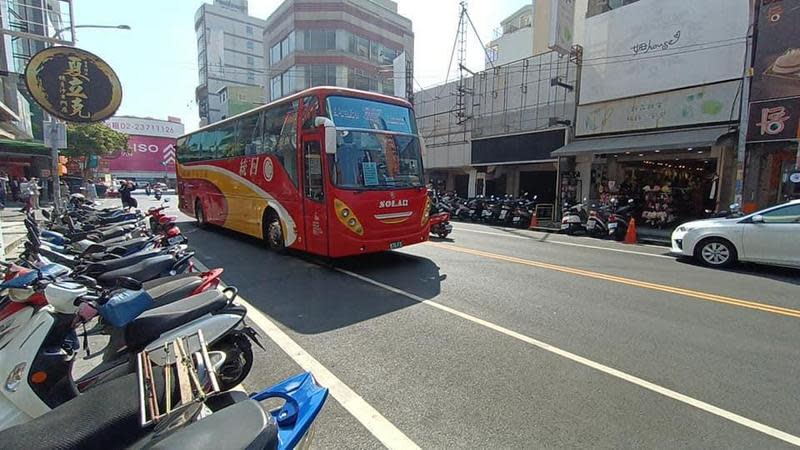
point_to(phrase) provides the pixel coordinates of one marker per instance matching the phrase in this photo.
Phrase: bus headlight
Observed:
(346, 216)
(426, 211)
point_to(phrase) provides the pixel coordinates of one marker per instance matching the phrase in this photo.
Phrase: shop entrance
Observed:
(542, 184)
(667, 189)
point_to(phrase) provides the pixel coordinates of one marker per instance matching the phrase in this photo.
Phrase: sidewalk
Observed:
(12, 221)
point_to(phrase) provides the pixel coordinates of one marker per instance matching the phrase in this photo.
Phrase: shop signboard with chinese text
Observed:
(713, 103)
(774, 120)
(776, 64)
(655, 46)
(73, 84)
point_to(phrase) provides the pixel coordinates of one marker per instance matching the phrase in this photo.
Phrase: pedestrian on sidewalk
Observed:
(24, 194)
(2, 195)
(15, 190)
(91, 190)
(35, 192)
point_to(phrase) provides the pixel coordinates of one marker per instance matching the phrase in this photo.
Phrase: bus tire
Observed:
(273, 232)
(200, 214)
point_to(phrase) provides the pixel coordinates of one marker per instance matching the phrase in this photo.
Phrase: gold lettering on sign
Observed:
(71, 89)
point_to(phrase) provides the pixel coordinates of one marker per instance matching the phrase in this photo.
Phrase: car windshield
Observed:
(377, 145)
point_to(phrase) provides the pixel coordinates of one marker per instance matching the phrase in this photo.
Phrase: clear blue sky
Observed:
(157, 60)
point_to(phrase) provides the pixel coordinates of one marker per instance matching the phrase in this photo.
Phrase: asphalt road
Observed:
(501, 338)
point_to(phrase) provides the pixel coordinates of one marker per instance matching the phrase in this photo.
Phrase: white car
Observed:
(769, 236)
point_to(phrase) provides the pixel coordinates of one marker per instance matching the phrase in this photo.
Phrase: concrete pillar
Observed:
(583, 165)
(473, 178)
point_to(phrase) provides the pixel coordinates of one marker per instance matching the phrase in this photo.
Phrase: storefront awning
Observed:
(29, 148)
(699, 137)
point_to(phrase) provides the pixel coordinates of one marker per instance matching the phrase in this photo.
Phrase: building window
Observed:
(251, 76)
(249, 30)
(320, 39)
(250, 45)
(275, 53)
(250, 61)
(282, 49)
(275, 88)
(321, 75)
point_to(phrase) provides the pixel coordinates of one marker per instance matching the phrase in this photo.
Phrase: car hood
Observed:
(709, 223)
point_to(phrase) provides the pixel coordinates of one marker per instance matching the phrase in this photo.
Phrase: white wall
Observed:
(660, 45)
(513, 46)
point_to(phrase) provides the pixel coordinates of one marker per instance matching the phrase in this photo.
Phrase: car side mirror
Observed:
(129, 283)
(758, 218)
(330, 133)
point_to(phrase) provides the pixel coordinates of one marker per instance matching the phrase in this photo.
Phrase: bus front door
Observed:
(314, 210)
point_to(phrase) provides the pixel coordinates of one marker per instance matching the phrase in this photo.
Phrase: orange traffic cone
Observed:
(630, 235)
(534, 222)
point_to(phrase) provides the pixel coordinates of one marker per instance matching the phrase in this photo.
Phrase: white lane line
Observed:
(707, 407)
(380, 427)
(573, 244)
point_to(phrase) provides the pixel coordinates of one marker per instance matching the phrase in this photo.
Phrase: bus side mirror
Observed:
(330, 133)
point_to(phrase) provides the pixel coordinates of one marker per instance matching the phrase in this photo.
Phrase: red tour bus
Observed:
(329, 171)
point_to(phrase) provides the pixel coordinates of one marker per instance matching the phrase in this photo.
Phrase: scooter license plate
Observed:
(590, 225)
(395, 245)
(503, 214)
(176, 240)
(564, 226)
(612, 226)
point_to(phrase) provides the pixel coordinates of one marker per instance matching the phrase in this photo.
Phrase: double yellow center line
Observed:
(628, 281)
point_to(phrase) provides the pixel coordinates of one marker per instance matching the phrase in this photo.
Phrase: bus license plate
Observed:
(395, 245)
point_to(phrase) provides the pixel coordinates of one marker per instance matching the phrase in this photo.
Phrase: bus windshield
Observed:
(377, 145)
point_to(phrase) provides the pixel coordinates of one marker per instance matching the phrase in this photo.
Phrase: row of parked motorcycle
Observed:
(505, 210)
(609, 220)
(91, 271)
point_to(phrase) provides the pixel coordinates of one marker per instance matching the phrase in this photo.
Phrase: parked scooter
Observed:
(619, 218)
(37, 355)
(574, 218)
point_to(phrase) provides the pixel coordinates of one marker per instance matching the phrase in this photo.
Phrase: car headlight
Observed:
(681, 229)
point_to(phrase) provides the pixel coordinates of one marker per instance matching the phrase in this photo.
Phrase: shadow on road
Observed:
(307, 294)
(782, 274)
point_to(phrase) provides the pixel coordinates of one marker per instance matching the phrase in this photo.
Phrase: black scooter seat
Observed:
(164, 293)
(144, 270)
(101, 267)
(154, 322)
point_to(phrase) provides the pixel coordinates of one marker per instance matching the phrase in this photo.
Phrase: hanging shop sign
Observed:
(774, 120)
(562, 26)
(777, 52)
(712, 103)
(73, 84)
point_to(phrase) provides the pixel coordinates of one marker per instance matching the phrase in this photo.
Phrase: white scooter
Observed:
(36, 359)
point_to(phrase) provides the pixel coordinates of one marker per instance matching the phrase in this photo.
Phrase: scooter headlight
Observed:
(15, 377)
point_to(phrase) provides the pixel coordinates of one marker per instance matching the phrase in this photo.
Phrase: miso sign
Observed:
(73, 84)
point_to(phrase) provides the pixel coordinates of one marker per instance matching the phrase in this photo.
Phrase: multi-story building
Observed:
(238, 99)
(660, 91)
(349, 43)
(229, 53)
(493, 135)
(513, 40)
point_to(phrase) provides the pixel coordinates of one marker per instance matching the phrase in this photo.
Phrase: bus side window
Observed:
(287, 142)
(248, 135)
(312, 160)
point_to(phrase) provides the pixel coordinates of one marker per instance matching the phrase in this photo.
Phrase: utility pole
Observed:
(55, 138)
(744, 116)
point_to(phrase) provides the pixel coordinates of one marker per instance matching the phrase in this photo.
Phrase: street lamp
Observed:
(112, 27)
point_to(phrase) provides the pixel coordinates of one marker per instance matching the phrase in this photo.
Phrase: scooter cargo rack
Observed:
(187, 369)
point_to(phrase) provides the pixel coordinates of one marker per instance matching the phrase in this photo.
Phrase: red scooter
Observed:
(440, 224)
